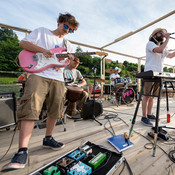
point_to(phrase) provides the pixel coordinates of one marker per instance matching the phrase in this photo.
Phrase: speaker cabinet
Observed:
(7, 109)
(91, 108)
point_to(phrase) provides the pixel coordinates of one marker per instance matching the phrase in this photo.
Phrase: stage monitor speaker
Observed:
(91, 108)
(7, 109)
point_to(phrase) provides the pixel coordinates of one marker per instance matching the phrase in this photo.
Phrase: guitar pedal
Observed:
(77, 155)
(80, 169)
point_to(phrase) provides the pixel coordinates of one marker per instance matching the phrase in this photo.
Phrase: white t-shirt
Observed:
(154, 61)
(44, 38)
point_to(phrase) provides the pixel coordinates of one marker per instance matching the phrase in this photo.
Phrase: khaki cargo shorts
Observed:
(37, 91)
(147, 87)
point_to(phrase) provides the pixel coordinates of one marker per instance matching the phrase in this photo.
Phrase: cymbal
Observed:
(99, 79)
(133, 72)
(110, 71)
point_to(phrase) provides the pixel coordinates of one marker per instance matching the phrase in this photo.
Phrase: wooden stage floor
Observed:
(139, 158)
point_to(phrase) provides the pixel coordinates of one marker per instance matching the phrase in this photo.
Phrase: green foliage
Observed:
(165, 69)
(6, 80)
(9, 50)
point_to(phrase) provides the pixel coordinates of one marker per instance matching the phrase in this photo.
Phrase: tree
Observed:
(78, 50)
(9, 50)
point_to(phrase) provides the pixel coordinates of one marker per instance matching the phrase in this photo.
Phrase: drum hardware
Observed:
(41, 123)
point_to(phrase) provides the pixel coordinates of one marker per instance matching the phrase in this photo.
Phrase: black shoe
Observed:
(53, 144)
(146, 121)
(18, 161)
(151, 117)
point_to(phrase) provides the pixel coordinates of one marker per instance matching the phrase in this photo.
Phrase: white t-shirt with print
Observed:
(154, 61)
(44, 38)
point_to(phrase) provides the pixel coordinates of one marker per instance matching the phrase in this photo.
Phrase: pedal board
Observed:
(80, 169)
(77, 155)
(84, 160)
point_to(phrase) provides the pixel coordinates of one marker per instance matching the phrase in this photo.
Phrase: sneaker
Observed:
(53, 144)
(146, 121)
(151, 117)
(18, 161)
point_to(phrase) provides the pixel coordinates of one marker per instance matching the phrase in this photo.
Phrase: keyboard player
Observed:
(155, 53)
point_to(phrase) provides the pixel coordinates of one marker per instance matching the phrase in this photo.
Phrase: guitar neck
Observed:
(75, 54)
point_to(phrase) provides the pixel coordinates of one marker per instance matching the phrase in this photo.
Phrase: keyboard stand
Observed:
(160, 81)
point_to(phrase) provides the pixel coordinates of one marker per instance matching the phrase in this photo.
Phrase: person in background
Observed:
(155, 53)
(47, 85)
(73, 77)
(115, 75)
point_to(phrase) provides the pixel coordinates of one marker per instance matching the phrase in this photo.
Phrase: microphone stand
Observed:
(94, 69)
(93, 115)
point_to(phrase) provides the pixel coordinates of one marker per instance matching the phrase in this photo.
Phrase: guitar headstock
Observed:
(102, 53)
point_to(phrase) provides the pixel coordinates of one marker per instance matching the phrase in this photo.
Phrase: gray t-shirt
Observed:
(71, 76)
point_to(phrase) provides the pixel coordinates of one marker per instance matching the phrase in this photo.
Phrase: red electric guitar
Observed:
(36, 62)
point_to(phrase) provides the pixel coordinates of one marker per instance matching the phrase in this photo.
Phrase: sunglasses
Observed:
(162, 33)
(67, 27)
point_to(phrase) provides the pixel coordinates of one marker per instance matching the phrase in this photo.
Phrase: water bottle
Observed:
(168, 118)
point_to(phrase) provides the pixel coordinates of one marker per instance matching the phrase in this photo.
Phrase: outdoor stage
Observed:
(139, 158)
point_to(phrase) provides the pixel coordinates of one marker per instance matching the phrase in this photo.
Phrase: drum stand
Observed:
(43, 117)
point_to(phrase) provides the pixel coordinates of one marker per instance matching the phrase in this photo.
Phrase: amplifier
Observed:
(7, 109)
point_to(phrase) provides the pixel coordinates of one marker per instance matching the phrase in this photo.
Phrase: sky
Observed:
(101, 21)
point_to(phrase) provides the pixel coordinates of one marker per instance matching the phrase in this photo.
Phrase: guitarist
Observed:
(47, 85)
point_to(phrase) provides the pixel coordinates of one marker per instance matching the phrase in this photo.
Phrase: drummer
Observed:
(73, 77)
(115, 75)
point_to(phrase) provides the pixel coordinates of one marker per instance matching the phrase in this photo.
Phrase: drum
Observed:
(129, 80)
(125, 95)
(135, 88)
(107, 89)
(73, 94)
(118, 82)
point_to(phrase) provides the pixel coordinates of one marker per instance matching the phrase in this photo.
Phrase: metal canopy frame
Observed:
(102, 48)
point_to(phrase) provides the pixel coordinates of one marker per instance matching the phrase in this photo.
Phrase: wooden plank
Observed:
(77, 133)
